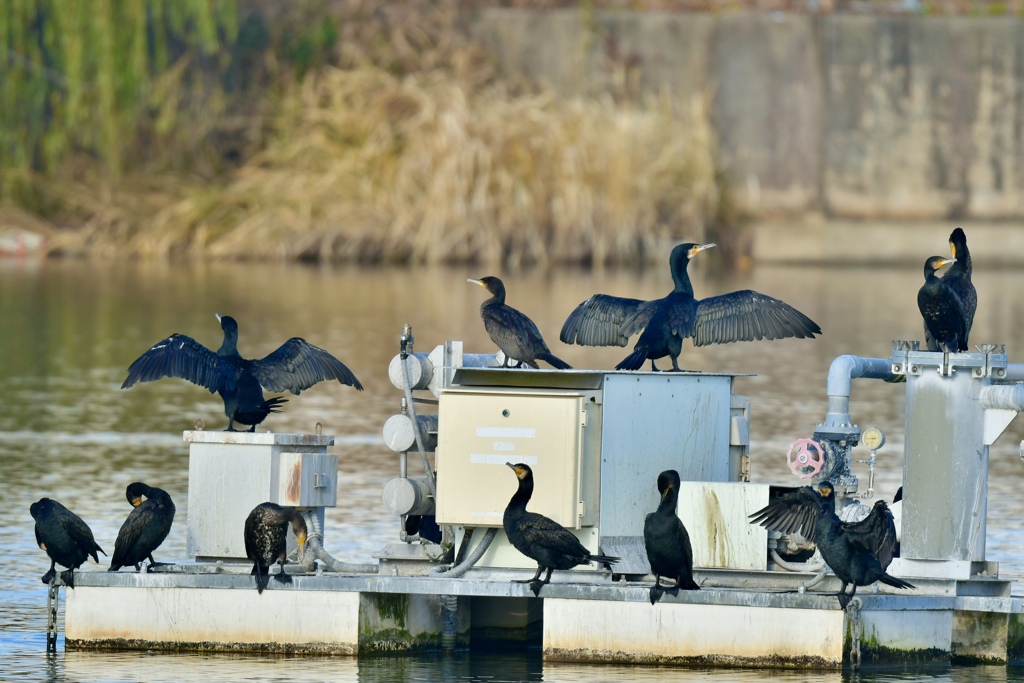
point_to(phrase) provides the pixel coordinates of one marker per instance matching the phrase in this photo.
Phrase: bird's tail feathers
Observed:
(262, 575)
(272, 405)
(604, 559)
(554, 361)
(687, 583)
(635, 360)
(894, 582)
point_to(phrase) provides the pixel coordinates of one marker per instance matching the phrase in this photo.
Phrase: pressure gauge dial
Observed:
(873, 438)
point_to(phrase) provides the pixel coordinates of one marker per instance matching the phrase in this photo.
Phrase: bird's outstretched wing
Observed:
(298, 365)
(177, 356)
(604, 320)
(876, 533)
(747, 315)
(794, 512)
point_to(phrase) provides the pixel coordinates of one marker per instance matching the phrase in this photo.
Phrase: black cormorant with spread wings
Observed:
(958, 278)
(295, 366)
(857, 552)
(945, 323)
(65, 537)
(541, 538)
(145, 528)
(514, 333)
(745, 315)
(667, 542)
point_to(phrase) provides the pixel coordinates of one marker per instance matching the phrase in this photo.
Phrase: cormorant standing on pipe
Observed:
(295, 366)
(541, 538)
(945, 324)
(745, 315)
(514, 333)
(857, 552)
(65, 537)
(266, 540)
(667, 542)
(145, 528)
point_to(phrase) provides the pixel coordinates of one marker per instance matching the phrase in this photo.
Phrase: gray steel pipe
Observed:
(1002, 397)
(840, 373)
(1014, 372)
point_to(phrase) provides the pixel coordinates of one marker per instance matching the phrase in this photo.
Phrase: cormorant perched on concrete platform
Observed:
(266, 535)
(746, 315)
(65, 538)
(666, 540)
(145, 528)
(514, 333)
(541, 538)
(945, 324)
(857, 552)
(295, 366)
(958, 277)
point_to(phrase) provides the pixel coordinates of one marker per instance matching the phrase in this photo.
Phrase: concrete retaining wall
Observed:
(852, 116)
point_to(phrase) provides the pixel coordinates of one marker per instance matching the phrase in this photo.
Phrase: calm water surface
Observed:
(69, 331)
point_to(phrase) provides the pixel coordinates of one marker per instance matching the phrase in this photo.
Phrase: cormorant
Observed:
(145, 528)
(514, 333)
(295, 366)
(65, 537)
(958, 278)
(541, 538)
(746, 315)
(945, 325)
(266, 533)
(666, 540)
(857, 552)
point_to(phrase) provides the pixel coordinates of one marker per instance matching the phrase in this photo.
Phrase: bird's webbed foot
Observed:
(282, 576)
(535, 586)
(68, 577)
(48, 576)
(654, 368)
(656, 593)
(674, 590)
(844, 600)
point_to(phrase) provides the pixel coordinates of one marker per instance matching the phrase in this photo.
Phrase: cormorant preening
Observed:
(746, 315)
(666, 540)
(145, 528)
(295, 366)
(945, 325)
(857, 552)
(958, 277)
(541, 538)
(513, 332)
(266, 533)
(65, 538)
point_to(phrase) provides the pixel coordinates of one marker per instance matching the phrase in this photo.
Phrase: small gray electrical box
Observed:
(230, 473)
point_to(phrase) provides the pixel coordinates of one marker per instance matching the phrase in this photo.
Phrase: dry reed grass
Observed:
(366, 166)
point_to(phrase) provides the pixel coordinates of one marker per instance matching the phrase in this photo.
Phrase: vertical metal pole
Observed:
(52, 601)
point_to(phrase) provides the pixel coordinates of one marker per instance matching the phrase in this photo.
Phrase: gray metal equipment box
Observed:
(230, 473)
(595, 440)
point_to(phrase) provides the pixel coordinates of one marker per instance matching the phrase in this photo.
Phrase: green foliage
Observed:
(80, 76)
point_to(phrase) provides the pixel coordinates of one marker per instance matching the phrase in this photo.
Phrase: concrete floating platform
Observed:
(215, 607)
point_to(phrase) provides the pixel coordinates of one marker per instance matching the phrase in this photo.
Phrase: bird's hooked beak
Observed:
(825, 489)
(136, 501)
(516, 469)
(699, 248)
(475, 282)
(946, 261)
(218, 316)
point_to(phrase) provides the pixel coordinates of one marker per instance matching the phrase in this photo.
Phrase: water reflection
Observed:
(67, 431)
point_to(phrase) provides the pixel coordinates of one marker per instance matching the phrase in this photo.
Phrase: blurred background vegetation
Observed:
(342, 130)
(327, 131)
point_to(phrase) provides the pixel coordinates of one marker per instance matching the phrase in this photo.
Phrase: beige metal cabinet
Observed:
(480, 432)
